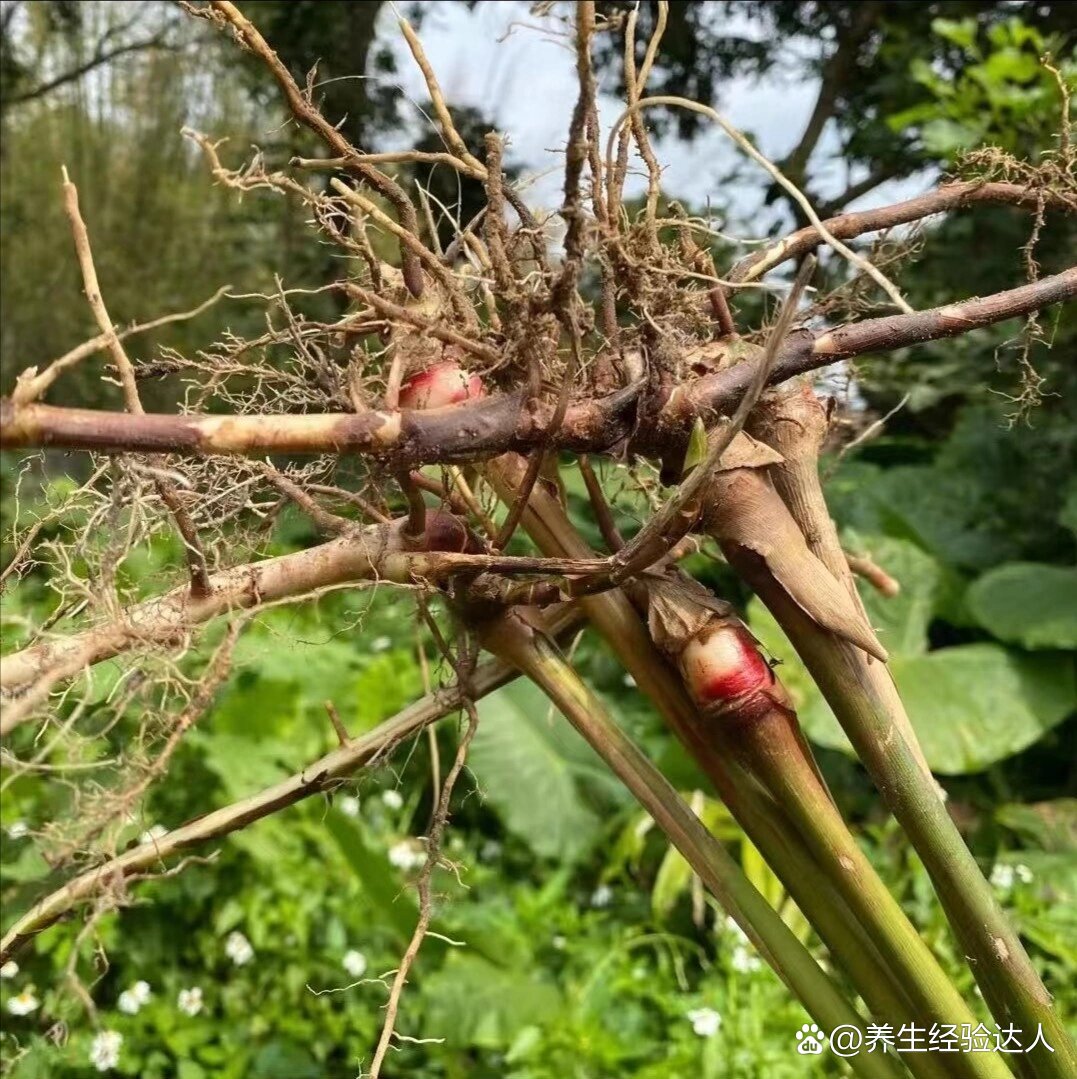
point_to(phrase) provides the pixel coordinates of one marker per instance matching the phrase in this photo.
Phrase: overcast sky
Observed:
(519, 70)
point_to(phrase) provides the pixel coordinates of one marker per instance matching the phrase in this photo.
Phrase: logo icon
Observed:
(811, 1041)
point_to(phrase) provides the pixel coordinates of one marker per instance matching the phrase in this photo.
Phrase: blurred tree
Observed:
(165, 237)
(865, 56)
(59, 44)
(338, 39)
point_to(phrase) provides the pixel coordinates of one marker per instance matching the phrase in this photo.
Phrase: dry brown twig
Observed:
(196, 558)
(423, 887)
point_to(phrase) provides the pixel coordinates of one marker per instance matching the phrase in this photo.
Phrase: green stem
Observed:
(1011, 987)
(853, 950)
(537, 657)
(866, 702)
(767, 742)
(762, 819)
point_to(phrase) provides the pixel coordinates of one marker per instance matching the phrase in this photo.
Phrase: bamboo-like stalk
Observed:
(775, 759)
(1015, 995)
(517, 643)
(763, 819)
(746, 714)
(852, 948)
(795, 423)
(865, 700)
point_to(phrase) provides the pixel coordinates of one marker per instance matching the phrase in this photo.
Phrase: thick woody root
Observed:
(481, 429)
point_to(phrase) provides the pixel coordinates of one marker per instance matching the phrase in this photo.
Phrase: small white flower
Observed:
(18, 829)
(349, 805)
(629, 681)
(490, 851)
(1002, 876)
(1024, 874)
(132, 999)
(25, 1003)
(406, 855)
(392, 799)
(354, 963)
(705, 1021)
(152, 835)
(189, 1001)
(558, 942)
(601, 896)
(9, 969)
(381, 644)
(238, 948)
(105, 1050)
(743, 961)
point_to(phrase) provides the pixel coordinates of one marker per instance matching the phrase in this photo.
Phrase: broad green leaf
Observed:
(27, 867)
(536, 772)
(388, 684)
(378, 879)
(1028, 604)
(976, 704)
(243, 763)
(846, 484)
(1015, 31)
(256, 707)
(475, 1003)
(1053, 929)
(942, 511)
(961, 32)
(318, 664)
(281, 1059)
(970, 705)
(901, 621)
(1052, 825)
(948, 137)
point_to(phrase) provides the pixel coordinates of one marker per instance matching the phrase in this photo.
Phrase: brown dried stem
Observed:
(307, 114)
(491, 426)
(850, 225)
(196, 558)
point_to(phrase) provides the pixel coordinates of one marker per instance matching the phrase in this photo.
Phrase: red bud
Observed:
(444, 532)
(724, 664)
(442, 384)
